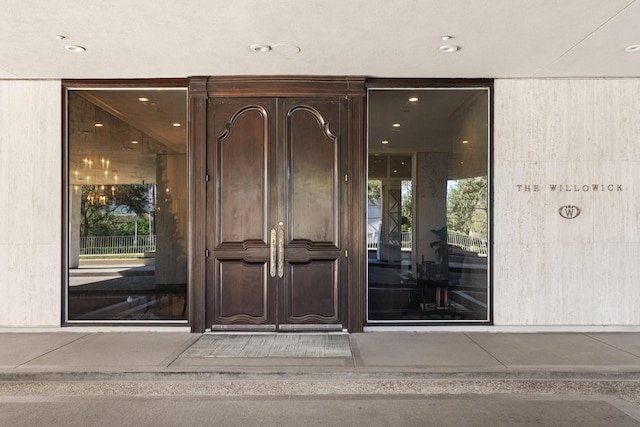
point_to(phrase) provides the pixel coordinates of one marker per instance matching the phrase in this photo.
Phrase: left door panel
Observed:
(239, 159)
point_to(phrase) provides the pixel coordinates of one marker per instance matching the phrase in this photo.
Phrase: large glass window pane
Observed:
(127, 205)
(428, 218)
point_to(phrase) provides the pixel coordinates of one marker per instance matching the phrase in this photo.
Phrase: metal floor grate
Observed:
(271, 345)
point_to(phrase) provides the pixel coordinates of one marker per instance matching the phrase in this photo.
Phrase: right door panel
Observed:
(312, 203)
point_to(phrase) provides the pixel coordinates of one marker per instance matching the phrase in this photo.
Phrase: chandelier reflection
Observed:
(98, 189)
(101, 195)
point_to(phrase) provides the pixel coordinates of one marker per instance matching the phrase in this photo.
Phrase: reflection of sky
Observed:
(406, 188)
(451, 185)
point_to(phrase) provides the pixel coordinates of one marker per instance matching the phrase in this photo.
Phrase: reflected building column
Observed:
(171, 219)
(390, 236)
(75, 205)
(430, 205)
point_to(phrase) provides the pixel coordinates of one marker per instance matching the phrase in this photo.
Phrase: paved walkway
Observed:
(585, 354)
(499, 378)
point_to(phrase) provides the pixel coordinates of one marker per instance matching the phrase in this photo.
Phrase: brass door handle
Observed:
(280, 251)
(272, 253)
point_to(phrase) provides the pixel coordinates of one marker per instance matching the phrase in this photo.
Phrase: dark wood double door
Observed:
(276, 213)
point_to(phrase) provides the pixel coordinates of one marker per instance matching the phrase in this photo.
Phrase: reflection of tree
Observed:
(407, 206)
(467, 207)
(373, 192)
(98, 208)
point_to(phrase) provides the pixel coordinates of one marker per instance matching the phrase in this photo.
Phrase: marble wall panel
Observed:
(30, 202)
(4, 286)
(35, 199)
(578, 284)
(549, 270)
(606, 216)
(34, 118)
(567, 120)
(4, 122)
(4, 202)
(34, 291)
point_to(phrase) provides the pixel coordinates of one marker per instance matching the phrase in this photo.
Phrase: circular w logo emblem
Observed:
(569, 211)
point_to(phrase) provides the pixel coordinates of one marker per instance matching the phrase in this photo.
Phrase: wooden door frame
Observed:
(200, 89)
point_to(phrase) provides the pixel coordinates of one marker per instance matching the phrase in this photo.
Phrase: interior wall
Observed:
(470, 124)
(30, 203)
(578, 134)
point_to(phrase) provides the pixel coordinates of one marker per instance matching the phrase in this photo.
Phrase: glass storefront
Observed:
(428, 209)
(127, 205)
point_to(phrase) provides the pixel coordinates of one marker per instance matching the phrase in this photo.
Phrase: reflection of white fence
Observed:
(405, 241)
(117, 245)
(471, 244)
(372, 241)
(466, 243)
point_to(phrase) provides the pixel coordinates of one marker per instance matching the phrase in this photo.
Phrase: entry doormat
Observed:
(270, 345)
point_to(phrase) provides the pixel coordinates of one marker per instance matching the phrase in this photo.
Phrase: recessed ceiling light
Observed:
(74, 48)
(384, 141)
(177, 125)
(413, 99)
(285, 49)
(448, 48)
(465, 142)
(396, 125)
(134, 142)
(445, 38)
(60, 37)
(632, 48)
(143, 99)
(99, 125)
(260, 47)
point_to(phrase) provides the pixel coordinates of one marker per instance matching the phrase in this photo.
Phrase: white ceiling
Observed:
(375, 38)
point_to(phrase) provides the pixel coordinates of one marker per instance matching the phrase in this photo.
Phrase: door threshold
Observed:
(271, 329)
(311, 327)
(242, 328)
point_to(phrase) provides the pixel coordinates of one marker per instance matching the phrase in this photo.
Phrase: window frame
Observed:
(421, 84)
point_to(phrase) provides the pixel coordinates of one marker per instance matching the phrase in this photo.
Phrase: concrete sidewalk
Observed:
(578, 354)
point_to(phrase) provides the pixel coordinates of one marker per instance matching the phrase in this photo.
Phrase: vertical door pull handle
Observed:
(272, 253)
(280, 251)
